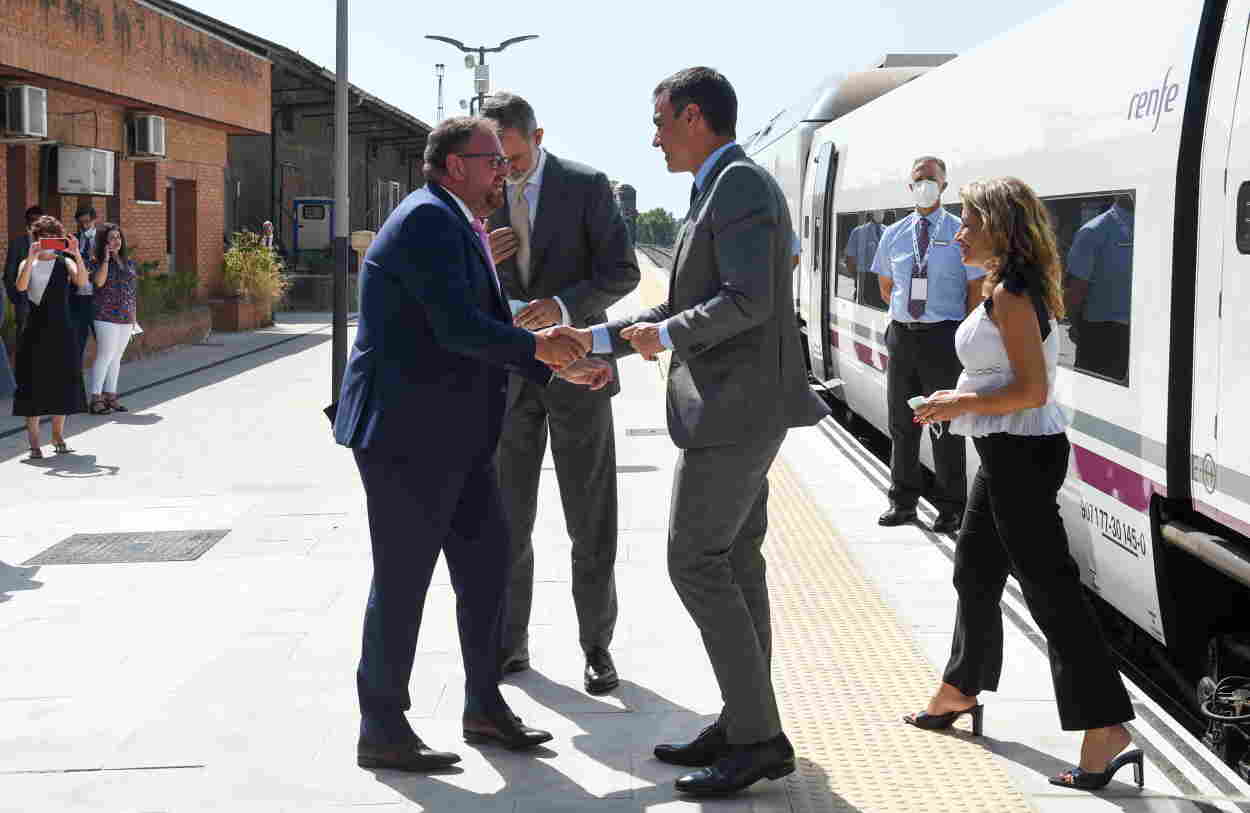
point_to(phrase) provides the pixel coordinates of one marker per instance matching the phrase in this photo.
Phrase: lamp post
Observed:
(438, 72)
(481, 79)
(342, 212)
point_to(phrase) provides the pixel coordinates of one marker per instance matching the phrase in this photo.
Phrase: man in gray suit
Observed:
(564, 256)
(737, 383)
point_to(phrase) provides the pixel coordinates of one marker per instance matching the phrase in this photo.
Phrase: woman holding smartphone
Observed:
(1005, 401)
(116, 284)
(49, 368)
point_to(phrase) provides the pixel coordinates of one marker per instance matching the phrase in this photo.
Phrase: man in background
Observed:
(564, 257)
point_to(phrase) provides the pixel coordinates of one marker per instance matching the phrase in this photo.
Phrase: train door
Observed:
(823, 174)
(1223, 478)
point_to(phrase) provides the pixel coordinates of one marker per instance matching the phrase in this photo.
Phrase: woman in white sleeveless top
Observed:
(1004, 401)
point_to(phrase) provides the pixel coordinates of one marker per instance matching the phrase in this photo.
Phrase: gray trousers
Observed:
(584, 449)
(718, 520)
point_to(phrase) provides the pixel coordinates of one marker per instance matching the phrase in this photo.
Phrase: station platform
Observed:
(227, 682)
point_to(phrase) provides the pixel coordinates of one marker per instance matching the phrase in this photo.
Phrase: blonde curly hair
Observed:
(1022, 236)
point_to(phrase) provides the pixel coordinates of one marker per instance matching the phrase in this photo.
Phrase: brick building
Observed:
(103, 62)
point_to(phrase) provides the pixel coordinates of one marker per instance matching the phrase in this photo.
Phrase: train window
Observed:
(1095, 236)
(859, 234)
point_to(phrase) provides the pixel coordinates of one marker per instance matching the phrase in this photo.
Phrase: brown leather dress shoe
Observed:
(506, 730)
(411, 756)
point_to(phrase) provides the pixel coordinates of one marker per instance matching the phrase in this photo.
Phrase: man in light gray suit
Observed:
(737, 383)
(564, 256)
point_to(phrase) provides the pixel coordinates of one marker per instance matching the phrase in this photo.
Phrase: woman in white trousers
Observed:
(116, 306)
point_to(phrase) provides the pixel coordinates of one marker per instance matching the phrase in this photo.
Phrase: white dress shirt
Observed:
(533, 188)
(601, 341)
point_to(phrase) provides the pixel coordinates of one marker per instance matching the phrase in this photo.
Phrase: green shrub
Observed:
(252, 270)
(161, 294)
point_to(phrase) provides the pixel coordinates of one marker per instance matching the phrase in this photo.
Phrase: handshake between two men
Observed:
(565, 350)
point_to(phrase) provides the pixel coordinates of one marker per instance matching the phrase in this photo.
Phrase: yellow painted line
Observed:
(846, 669)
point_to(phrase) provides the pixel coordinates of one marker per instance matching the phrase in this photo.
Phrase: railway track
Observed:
(660, 255)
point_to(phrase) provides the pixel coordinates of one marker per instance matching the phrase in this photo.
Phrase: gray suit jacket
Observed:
(580, 248)
(737, 369)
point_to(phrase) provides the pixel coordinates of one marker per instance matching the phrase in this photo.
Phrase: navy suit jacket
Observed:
(428, 372)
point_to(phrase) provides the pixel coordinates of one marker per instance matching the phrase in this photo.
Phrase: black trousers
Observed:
(922, 361)
(583, 447)
(1012, 523)
(82, 311)
(417, 509)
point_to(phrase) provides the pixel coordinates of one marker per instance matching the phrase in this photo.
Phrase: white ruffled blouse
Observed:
(983, 355)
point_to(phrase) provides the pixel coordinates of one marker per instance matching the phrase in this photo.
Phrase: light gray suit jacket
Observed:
(737, 371)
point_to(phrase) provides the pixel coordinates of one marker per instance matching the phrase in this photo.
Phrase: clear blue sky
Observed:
(591, 73)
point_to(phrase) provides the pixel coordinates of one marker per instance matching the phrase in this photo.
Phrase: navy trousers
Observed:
(418, 508)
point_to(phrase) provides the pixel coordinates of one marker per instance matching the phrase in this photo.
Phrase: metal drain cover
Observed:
(142, 546)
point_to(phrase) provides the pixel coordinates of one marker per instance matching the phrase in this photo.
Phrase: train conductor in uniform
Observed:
(929, 291)
(564, 257)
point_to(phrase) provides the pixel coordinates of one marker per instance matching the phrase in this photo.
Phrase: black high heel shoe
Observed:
(937, 722)
(1082, 779)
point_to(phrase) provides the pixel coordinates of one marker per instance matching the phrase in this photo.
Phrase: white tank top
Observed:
(40, 275)
(980, 348)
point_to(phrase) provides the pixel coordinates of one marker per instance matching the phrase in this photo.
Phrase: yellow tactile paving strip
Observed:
(846, 670)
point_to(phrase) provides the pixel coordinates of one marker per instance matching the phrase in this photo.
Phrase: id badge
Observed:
(920, 288)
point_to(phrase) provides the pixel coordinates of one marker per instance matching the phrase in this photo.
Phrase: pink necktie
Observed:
(480, 228)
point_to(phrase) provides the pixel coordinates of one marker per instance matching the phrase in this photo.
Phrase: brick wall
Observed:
(87, 117)
(121, 48)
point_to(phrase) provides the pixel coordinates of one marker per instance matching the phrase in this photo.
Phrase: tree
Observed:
(657, 227)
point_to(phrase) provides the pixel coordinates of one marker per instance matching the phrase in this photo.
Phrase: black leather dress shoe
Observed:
(948, 522)
(897, 516)
(411, 756)
(703, 750)
(515, 664)
(506, 730)
(600, 672)
(742, 767)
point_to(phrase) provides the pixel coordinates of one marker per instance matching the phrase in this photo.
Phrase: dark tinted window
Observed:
(1095, 235)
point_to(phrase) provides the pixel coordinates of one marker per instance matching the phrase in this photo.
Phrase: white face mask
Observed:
(878, 216)
(926, 193)
(90, 233)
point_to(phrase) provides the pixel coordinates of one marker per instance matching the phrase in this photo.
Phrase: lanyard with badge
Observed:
(920, 285)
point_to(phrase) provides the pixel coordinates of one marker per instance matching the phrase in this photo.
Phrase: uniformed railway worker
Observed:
(929, 291)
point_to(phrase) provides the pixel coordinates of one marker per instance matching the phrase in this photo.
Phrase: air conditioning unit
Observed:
(84, 171)
(25, 112)
(147, 138)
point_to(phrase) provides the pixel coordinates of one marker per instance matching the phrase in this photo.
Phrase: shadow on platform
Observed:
(14, 579)
(150, 395)
(620, 741)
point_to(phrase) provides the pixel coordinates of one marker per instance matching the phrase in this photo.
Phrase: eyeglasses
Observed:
(497, 161)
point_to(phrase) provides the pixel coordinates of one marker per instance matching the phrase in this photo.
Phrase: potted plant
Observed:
(253, 281)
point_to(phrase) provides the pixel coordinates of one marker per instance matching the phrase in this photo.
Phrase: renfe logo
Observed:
(1155, 102)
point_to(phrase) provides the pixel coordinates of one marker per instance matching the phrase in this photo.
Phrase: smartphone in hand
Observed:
(53, 244)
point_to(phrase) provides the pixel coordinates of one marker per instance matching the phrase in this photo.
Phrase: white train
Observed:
(1125, 123)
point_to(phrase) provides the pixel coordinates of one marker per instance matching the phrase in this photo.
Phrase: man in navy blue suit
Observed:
(422, 406)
